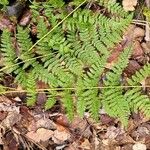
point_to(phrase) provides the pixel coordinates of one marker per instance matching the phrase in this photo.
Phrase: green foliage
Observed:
(4, 2)
(71, 60)
(31, 89)
(112, 99)
(135, 97)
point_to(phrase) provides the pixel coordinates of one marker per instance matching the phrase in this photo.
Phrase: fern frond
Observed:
(112, 99)
(50, 101)
(140, 75)
(81, 102)
(52, 62)
(31, 90)
(43, 75)
(89, 98)
(68, 103)
(138, 101)
(24, 43)
(8, 52)
(113, 7)
(74, 56)
(2, 88)
(73, 64)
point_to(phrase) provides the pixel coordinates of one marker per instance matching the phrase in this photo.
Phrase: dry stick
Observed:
(147, 28)
(42, 39)
(73, 88)
(137, 20)
(140, 22)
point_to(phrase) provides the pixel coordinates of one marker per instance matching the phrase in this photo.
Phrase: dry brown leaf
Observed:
(127, 147)
(113, 132)
(25, 18)
(62, 120)
(81, 127)
(4, 99)
(1, 141)
(132, 67)
(5, 22)
(85, 145)
(11, 119)
(9, 107)
(133, 33)
(137, 50)
(45, 123)
(40, 135)
(60, 136)
(106, 119)
(129, 5)
(146, 47)
(115, 53)
(3, 115)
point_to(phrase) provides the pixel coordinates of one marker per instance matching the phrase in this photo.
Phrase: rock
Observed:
(134, 32)
(139, 146)
(146, 47)
(129, 5)
(132, 67)
(137, 50)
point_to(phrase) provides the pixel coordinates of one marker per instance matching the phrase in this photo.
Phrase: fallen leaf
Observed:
(3, 115)
(62, 120)
(132, 67)
(129, 5)
(4, 99)
(113, 132)
(140, 133)
(127, 147)
(80, 127)
(41, 99)
(25, 18)
(139, 146)
(106, 119)
(146, 47)
(6, 23)
(27, 121)
(17, 99)
(11, 119)
(45, 123)
(147, 83)
(9, 107)
(137, 50)
(60, 136)
(1, 141)
(115, 53)
(133, 33)
(11, 141)
(40, 135)
(124, 139)
(85, 145)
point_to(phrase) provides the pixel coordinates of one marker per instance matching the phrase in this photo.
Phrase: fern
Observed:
(67, 100)
(31, 90)
(113, 100)
(136, 99)
(72, 58)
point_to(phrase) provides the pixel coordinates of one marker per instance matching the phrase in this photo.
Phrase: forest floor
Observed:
(24, 127)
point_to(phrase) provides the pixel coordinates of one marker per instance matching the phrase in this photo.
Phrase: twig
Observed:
(147, 28)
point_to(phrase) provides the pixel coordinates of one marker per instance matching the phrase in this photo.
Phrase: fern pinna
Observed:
(72, 59)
